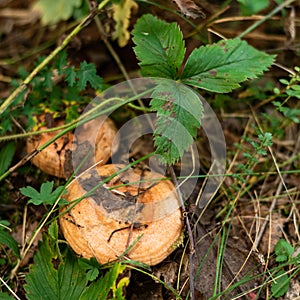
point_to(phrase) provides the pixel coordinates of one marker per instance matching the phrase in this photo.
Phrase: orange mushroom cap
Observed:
(120, 213)
(56, 159)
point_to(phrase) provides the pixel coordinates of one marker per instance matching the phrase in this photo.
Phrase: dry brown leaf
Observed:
(189, 9)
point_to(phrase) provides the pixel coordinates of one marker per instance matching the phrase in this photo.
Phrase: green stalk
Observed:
(51, 56)
(268, 16)
(90, 115)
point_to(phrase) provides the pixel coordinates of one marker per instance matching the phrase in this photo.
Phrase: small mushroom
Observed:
(56, 159)
(120, 213)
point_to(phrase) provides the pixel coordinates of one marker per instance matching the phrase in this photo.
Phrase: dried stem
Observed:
(190, 234)
(51, 56)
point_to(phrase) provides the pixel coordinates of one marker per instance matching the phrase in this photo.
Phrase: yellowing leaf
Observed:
(54, 11)
(121, 15)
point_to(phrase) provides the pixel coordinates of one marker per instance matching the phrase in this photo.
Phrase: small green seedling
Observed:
(281, 282)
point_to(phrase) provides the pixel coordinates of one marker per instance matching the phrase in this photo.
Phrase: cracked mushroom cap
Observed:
(135, 207)
(58, 158)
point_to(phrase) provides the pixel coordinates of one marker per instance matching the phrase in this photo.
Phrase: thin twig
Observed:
(8, 287)
(279, 188)
(118, 61)
(52, 55)
(190, 233)
(268, 16)
(83, 119)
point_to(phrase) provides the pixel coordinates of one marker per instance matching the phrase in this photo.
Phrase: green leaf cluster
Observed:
(217, 68)
(292, 114)
(86, 73)
(293, 85)
(45, 94)
(220, 68)
(59, 275)
(283, 251)
(46, 196)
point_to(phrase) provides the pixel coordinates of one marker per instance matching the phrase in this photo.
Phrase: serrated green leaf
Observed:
(71, 280)
(10, 242)
(6, 155)
(118, 292)
(179, 111)
(110, 281)
(92, 291)
(88, 73)
(159, 47)
(56, 277)
(221, 67)
(42, 282)
(70, 75)
(54, 11)
(47, 81)
(60, 62)
(46, 282)
(280, 285)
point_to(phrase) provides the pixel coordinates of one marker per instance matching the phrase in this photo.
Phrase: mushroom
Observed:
(57, 158)
(137, 207)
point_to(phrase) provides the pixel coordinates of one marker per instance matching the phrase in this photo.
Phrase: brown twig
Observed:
(190, 233)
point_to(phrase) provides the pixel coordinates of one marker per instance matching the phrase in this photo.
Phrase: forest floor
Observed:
(259, 199)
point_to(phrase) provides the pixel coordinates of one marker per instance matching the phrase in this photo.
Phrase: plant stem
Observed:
(51, 56)
(190, 234)
(268, 16)
(90, 115)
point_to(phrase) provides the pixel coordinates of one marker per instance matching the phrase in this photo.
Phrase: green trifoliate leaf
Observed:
(221, 67)
(179, 111)
(159, 47)
(45, 196)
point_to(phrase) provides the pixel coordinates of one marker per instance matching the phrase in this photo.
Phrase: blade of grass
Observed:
(268, 16)
(51, 56)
